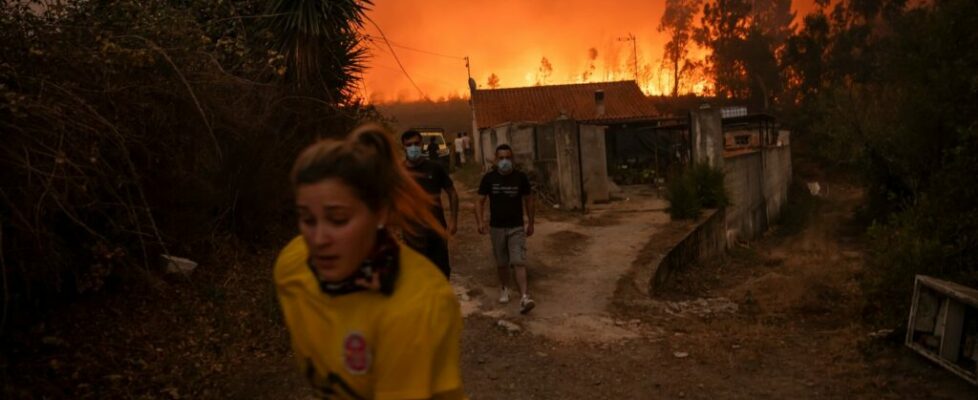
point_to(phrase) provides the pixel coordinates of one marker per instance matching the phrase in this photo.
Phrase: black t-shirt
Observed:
(433, 151)
(505, 197)
(433, 178)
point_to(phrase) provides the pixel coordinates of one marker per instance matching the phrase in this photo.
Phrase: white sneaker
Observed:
(504, 295)
(526, 304)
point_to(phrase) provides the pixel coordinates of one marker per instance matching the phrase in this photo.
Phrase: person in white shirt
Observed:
(468, 145)
(460, 148)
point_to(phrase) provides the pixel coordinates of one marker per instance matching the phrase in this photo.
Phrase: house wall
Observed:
(568, 168)
(545, 164)
(550, 153)
(521, 140)
(518, 136)
(594, 163)
(730, 139)
(490, 138)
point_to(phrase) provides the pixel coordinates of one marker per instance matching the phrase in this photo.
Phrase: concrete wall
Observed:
(706, 136)
(545, 164)
(777, 179)
(704, 242)
(757, 183)
(568, 168)
(594, 163)
(487, 136)
(521, 140)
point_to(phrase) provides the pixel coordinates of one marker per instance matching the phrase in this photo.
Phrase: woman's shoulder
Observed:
(291, 261)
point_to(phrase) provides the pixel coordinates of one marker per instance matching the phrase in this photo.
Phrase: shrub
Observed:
(697, 187)
(709, 185)
(133, 128)
(683, 201)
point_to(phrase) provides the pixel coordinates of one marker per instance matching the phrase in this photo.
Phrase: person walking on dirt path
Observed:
(509, 195)
(368, 318)
(433, 178)
(459, 143)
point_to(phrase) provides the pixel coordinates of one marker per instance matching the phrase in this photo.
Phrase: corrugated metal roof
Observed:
(623, 101)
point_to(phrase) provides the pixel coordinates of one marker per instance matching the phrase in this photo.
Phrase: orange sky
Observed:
(509, 38)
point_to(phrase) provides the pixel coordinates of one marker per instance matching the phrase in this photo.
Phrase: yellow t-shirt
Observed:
(366, 345)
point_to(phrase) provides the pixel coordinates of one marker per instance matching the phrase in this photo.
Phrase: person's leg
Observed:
(516, 247)
(500, 251)
(517, 257)
(438, 252)
(520, 270)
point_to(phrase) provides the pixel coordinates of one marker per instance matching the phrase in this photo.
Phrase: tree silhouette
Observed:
(544, 72)
(678, 20)
(744, 37)
(592, 54)
(493, 81)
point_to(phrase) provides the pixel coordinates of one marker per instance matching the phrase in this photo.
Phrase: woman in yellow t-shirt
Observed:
(368, 317)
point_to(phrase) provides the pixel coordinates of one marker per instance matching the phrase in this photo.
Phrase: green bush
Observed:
(709, 185)
(683, 201)
(700, 186)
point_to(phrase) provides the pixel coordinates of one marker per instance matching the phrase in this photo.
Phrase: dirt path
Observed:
(778, 319)
(574, 265)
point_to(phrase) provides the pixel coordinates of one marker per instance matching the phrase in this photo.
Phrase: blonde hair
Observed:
(366, 161)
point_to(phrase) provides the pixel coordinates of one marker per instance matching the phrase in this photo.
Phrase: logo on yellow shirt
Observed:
(356, 353)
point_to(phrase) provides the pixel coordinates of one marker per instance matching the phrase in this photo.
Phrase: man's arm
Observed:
(480, 206)
(528, 206)
(453, 205)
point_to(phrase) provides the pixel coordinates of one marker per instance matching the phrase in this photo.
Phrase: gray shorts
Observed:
(508, 245)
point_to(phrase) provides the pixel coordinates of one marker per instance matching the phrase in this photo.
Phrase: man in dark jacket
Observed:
(433, 178)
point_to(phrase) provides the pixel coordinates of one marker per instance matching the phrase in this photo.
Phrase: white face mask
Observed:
(505, 165)
(413, 152)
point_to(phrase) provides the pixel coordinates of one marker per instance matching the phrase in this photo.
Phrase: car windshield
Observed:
(440, 139)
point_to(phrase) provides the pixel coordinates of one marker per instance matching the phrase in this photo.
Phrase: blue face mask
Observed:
(413, 152)
(505, 165)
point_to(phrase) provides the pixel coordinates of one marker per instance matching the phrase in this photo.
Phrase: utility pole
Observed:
(631, 38)
(475, 137)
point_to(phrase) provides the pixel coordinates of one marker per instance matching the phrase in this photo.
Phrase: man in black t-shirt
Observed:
(509, 195)
(433, 178)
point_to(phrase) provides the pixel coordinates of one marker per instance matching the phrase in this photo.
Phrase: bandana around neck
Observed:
(384, 260)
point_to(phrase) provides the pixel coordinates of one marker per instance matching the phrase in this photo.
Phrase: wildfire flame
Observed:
(522, 43)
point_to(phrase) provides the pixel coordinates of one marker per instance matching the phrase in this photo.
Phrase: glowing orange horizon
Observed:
(583, 41)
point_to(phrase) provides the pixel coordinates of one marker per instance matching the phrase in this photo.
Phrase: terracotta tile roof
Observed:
(623, 101)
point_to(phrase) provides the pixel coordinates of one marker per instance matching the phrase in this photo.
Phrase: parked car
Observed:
(439, 135)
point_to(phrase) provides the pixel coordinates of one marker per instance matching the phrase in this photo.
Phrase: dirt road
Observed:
(778, 319)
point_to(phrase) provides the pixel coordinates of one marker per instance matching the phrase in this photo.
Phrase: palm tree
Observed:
(321, 42)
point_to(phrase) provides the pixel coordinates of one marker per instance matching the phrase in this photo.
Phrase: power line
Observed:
(416, 50)
(393, 53)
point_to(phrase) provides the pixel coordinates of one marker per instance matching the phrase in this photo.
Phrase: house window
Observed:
(742, 140)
